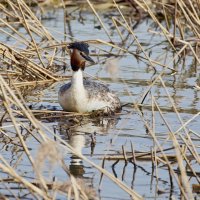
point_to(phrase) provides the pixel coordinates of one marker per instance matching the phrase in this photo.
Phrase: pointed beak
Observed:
(87, 57)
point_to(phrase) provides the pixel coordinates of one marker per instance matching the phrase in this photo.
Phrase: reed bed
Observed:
(33, 59)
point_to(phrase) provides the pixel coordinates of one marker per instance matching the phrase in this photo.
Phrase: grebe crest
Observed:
(81, 95)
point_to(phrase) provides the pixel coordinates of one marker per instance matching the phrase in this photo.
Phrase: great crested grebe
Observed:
(81, 95)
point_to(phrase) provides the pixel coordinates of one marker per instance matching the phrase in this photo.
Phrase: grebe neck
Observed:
(77, 79)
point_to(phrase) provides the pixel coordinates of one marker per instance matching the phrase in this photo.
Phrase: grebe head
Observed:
(80, 55)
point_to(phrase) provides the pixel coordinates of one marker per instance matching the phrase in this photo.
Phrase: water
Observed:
(111, 133)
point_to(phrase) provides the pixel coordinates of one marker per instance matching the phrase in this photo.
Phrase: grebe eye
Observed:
(82, 54)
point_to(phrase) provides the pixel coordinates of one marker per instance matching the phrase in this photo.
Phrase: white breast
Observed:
(75, 98)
